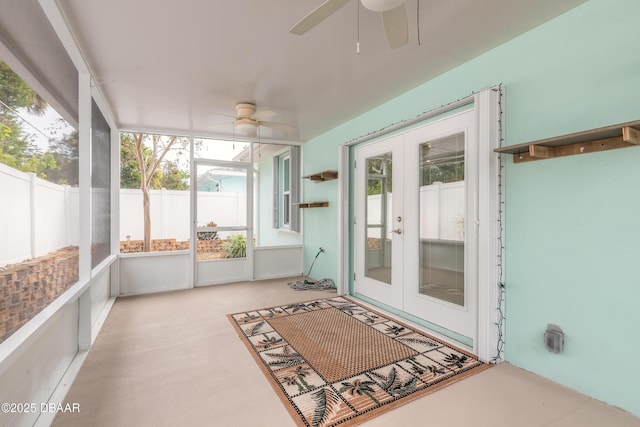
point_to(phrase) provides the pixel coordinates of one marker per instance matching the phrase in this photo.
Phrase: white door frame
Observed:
(487, 107)
(222, 271)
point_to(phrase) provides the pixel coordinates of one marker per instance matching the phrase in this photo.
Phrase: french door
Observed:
(416, 234)
(379, 222)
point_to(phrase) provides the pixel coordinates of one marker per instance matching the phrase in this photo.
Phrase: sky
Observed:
(42, 127)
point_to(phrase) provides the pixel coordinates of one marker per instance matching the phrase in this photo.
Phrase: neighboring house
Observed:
(221, 181)
(553, 241)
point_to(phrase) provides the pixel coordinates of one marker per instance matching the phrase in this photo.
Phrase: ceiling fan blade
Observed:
(274, 125)
(221, 114)
(219, 124)
(396, 27)
(263, 115)
(317, 15)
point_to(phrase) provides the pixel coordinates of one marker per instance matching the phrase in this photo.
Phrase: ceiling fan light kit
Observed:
(381, 5)
(246, 127)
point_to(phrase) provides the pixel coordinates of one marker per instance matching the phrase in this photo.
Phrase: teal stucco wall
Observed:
(267, 235)
(572, 224)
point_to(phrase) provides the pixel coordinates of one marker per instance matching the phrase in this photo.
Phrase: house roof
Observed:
(181, 67)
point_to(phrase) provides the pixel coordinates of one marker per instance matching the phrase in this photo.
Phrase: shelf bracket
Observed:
(322, 176)
(312, 205)
(540, 151)
(631, 135)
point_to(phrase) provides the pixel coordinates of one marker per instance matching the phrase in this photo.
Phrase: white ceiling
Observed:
(180, 66)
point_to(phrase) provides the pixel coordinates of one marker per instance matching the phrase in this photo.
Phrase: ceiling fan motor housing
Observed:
(245, 109)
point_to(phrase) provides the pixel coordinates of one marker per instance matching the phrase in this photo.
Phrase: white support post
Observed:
(250, 222)
(115, 209)
(84, 164)
(487, 107)
(343, 220)
(193, 193)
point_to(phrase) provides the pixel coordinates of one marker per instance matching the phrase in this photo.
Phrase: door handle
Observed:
(397, 231)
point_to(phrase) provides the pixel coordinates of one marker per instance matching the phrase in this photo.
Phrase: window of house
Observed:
(286, 191)
(286, 184)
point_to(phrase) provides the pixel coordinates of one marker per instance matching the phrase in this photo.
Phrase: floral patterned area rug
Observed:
(334, 362)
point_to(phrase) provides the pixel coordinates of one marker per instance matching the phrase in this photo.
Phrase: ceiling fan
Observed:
(394, 18)
(247, 120)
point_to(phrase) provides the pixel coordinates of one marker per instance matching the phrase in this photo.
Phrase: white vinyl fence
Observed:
(170, 212)
(36, 216)
(441, 211)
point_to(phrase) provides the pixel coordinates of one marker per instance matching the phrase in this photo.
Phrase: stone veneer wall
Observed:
(28, 287)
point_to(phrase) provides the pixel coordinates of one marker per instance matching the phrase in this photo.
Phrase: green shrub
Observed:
(235, 246)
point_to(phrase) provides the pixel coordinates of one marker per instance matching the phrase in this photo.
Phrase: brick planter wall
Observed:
(162, 245)
(28, 287)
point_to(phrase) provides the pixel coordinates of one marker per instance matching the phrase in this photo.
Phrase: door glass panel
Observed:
(221, 212)
(378, 218)
(442, 219)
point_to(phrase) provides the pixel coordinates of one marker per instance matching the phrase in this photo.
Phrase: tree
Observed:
(65, 154)
(16, 93)
(143, 163)
(129, 170)
(16, 146)
(173, 178)
(378, 171)
(17, 150)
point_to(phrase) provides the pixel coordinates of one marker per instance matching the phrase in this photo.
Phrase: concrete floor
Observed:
(173, 359)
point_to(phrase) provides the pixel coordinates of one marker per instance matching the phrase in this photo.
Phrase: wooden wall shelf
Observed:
(322, 176)
(313, 205)
(590, 141)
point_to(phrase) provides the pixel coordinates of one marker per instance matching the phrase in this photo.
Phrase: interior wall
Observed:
(571, 223)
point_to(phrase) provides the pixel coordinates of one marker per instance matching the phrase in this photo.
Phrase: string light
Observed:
(500, 308)
(399, 123)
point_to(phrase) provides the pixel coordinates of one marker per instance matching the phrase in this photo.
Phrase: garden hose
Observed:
(317, 285)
